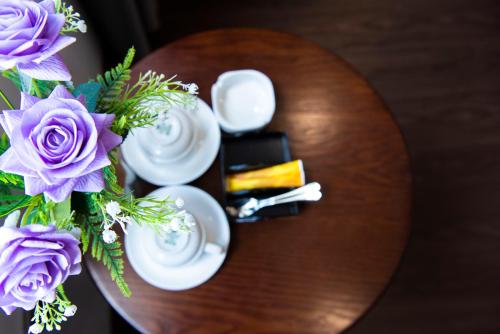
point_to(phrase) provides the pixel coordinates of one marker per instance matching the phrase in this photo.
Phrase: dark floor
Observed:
(437, 65)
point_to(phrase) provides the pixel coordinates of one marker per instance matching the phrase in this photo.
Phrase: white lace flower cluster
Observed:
(43, 322)
(72, 19)
(182, 221)
(191, 88)
(114, 216)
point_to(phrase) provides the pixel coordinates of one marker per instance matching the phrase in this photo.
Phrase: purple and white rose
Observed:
(57, 145)
(34, 260)
(30, 38)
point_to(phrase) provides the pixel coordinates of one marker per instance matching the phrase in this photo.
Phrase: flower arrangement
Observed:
(59, 189)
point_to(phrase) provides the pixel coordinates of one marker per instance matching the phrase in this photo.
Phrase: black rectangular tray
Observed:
(254, 151)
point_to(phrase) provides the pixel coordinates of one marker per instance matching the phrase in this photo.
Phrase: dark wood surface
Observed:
(321, 270)
(436, 63)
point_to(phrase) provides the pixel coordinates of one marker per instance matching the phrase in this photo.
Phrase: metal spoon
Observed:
(309, 192)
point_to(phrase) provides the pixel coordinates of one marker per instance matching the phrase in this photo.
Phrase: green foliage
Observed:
(51, 315)
(28, 85)
(114, 81)
(4, 143)
(8, 179)
(111, 179)
(109, 254)
(143, 102)
(41, 213)
(138, 104)
(72, 19)
(13, 180)
(13, 76)
(149, 211)
(10, 203)
(91, 92)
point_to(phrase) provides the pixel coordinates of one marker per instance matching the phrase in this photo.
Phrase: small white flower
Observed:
(35, 329)
(128, 219)
(109, 236)
(189, 220)
(122, 221)
(113, 209)
(175, 224)
(179, 202)
(192, 88)
(70, 311)
(81, 26)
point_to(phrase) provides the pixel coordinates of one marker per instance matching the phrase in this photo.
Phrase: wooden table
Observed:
(313, 273)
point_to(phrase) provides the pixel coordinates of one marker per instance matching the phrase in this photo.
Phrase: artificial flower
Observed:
(57, 145)
(34, 260)
(30, 38)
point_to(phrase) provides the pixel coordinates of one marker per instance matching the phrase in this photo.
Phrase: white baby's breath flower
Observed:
(189, 220)
(192, 88)
(35, 329)
(109, 236)
(128, 219)
(113, 209)
(81, 26)
(179, 202)
(175, 224)
(70, 311)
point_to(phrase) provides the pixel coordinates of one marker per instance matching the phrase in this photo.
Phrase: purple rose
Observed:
(57, 145)
(30, 38)
(34, 260)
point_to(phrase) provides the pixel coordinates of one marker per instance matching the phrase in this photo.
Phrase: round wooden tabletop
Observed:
(321, 270)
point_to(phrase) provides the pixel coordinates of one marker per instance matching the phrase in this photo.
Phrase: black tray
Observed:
(251, 152)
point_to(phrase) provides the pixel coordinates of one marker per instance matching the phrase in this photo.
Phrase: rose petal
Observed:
(48, 5)
(52, 68)
(61, 192)
(11, 119)
(34, 186)
(60, 43)
(9, 162)
(93, 182)
(110, 139)
(61, 92)
(28, 101)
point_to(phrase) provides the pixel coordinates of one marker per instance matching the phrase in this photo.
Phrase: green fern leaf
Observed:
(109, 254)
(12, 180)
(10, 203)
(114, 81)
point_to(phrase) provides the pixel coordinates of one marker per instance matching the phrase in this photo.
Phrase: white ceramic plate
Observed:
(188, 168)
(207, 211)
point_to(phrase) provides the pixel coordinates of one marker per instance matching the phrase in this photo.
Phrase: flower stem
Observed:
(60, 289)
(6, 100)
(37, 89)
(27, 214)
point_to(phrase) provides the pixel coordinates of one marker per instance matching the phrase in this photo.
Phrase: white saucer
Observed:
(207, 211)
(188, 168)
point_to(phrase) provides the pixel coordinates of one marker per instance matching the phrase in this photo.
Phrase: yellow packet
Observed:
(286, 175)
